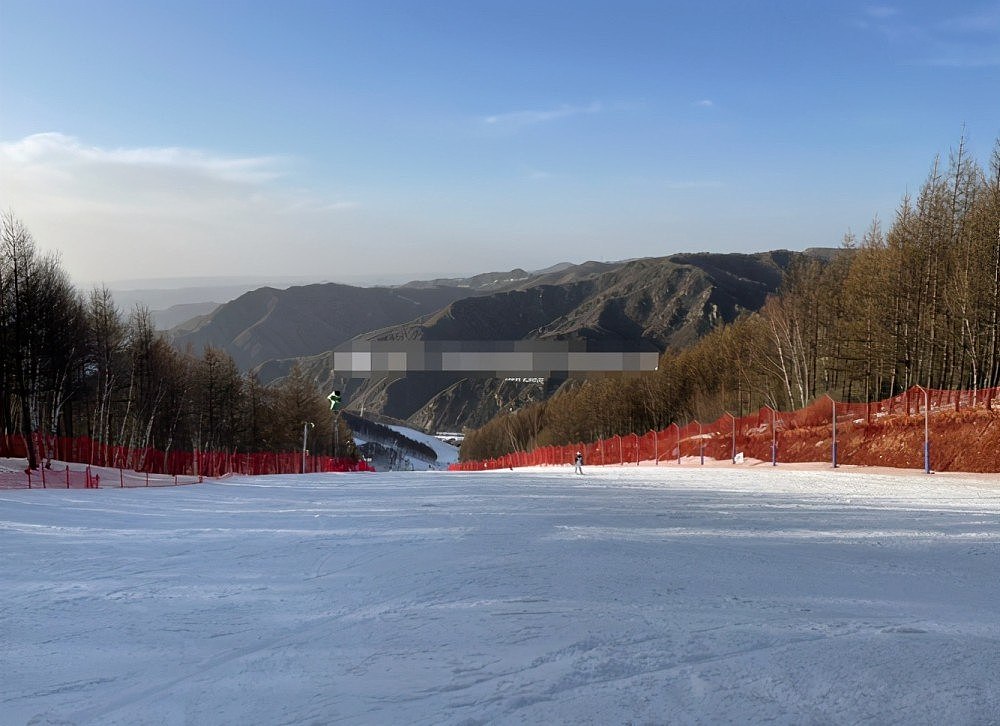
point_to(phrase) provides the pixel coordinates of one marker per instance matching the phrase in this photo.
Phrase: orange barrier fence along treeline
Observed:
(84, 450)
(920, 428)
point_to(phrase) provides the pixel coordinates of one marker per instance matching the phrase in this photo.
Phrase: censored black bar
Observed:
(494, 358)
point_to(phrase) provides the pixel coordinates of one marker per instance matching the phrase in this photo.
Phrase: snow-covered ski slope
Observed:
(446, 453)
(643, 595)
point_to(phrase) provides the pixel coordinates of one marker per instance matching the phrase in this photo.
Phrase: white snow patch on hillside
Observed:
(646, 595)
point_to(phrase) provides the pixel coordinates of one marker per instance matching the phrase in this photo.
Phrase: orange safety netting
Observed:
(946, 430)
(84, 450)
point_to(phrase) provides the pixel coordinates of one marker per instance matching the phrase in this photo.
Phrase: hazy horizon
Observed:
(373, 278)
(394, 141)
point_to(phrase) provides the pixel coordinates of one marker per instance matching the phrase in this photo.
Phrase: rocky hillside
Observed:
(519, 279)
(666, 302)
(669, 302)
(269, 324)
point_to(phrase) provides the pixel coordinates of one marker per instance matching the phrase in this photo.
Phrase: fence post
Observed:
(734, 434)
(834, 420)
(774, 441)
(927, 430)
(701, 444)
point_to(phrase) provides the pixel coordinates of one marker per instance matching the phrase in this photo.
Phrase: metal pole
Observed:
(834, 432)
(701, 441)
(305, 434)
(678, 443)
(734, 436)
(927, 431)
(774, 442)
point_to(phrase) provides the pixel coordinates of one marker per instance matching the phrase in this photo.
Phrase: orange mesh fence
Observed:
(62, 476)
(920, 428)
(131, 463)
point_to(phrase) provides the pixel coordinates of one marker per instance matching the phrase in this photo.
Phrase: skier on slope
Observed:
(578, 463)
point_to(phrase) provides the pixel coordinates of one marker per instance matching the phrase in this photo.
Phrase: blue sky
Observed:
(387, 140)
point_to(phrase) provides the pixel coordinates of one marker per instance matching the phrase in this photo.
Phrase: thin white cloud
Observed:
(516, 120)
(957, 56)
(677, 185)
(704, 103)
(881, 11)
(54, 149)
(306, 202)
(166, 210)
(969, 40)
(987, 21)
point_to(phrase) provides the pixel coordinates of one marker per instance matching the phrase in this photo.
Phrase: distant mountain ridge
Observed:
(667, 301)
(670, 301)
(268, 324)
(180, 314)
(518, 279)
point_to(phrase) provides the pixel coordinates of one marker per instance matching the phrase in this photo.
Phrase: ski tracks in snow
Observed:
(644, 596)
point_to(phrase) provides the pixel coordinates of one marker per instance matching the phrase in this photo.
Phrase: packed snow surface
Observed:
(643, 595)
